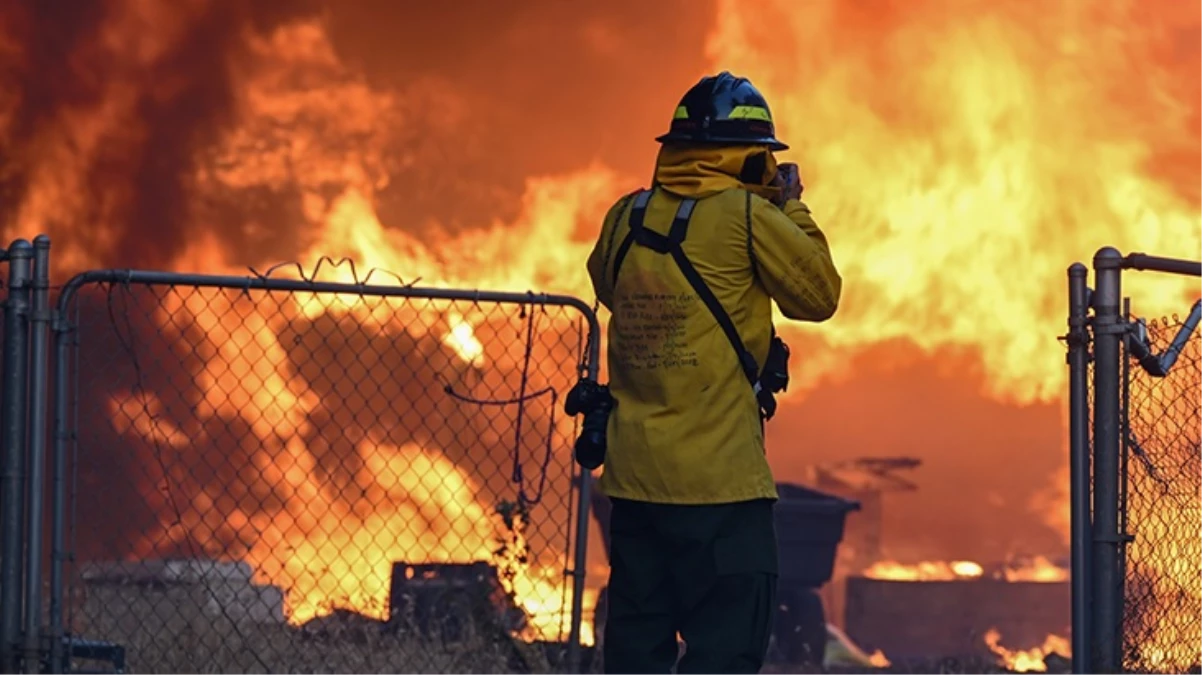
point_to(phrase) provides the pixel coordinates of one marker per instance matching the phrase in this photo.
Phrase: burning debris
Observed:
(448, 601)
(1054, 652)
(1036, 569)
(912, 613)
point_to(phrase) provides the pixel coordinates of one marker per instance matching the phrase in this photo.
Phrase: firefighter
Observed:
(689, 269)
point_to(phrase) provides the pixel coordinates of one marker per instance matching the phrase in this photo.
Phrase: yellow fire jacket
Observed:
(686, 427)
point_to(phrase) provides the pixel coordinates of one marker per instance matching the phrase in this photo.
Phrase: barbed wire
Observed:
(327, 261)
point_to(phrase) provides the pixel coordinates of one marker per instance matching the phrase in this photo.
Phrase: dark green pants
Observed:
(705, 572)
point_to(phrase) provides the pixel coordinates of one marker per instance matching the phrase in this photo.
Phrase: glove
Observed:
(788, 179)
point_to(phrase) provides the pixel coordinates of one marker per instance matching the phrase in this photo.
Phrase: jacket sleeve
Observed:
(599, 259)
(793, 260)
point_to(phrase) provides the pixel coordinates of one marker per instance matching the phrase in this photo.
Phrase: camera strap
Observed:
(671, 245)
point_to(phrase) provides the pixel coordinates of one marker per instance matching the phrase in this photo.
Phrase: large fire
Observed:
(411, 503)
(958, 154)
(1038, 569)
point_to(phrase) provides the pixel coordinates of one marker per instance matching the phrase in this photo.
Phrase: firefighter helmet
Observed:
(723, 109)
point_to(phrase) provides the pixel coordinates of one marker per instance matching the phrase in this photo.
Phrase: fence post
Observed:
(580, 563)
(14, 398)
(1108, 330)
(1078, 458)
(39, 322)
(579, 566)
(64, 433)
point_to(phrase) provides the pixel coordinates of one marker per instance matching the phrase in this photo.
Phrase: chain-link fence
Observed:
(272, 475)
(1135, 420)
(1162, 509)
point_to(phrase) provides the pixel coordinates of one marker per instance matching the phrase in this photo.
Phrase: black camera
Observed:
(595, 402)
(774, 377)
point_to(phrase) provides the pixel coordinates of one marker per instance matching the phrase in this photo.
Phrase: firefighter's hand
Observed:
(788, 179)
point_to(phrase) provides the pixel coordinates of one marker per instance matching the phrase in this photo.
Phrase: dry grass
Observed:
(166, 632)
(344, 643)
(225, 650)
(357, 645)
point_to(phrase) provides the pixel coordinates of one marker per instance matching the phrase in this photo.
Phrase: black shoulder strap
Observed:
(637, 213)
(679, 230)
(671, 244)
(623, 205)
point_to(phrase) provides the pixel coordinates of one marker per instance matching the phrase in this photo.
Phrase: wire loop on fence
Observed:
(330, 262)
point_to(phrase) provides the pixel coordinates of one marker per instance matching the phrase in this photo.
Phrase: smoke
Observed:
(196, 449)
(984, 462)
(116, 102)
(122, 115)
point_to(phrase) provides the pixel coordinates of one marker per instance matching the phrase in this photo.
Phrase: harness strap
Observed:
(637, 213)
(671, 244)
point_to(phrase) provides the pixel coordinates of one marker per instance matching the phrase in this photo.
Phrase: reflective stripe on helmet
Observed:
(739, 112)
(749, 112)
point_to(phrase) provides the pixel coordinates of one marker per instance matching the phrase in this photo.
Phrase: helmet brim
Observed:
(686, 138)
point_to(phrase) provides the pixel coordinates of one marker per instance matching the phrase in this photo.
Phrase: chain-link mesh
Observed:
(302, 482)
(1162, 620)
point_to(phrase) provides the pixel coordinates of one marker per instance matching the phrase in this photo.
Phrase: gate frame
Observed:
(1098, 539)
(24, 398)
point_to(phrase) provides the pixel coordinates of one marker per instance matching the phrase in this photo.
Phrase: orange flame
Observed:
(1163, 592)
(1037, 569)
(925, 571)
(1029, 660)
(325, 552)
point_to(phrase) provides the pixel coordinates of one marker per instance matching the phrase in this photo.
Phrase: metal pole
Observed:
(1152, 263)
(39, 322)
(1108, 330)
(1078, 458)
(579, 566)
(63, 334)
(12, 481)
(580, 561)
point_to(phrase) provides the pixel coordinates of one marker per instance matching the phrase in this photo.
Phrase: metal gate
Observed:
(287, 474)
(1135, 403)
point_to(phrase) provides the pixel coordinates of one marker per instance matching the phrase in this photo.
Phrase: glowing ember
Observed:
(1030, 660)
(925, 571)
(1037, 569)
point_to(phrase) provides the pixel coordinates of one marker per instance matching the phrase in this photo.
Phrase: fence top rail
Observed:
(266, 283)
(1152, 263)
